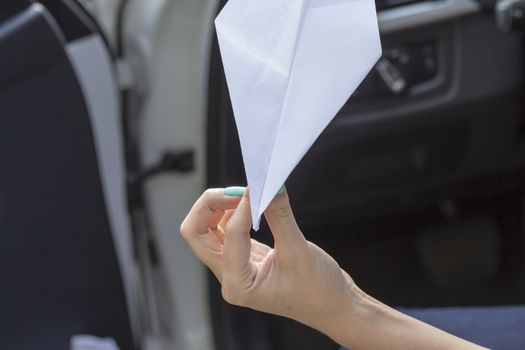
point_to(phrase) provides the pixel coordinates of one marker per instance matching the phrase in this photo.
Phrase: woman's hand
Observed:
(295, 279)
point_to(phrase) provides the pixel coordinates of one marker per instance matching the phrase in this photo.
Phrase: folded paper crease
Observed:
(290, 66)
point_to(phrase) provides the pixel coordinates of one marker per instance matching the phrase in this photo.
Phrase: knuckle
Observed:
(231, 295)
(283, 211)
(184, 229)
(206, 195)
(228, 294)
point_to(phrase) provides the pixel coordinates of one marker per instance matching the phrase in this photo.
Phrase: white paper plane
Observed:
(290, 66)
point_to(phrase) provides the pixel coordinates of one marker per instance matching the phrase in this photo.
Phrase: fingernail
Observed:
(235, 191)
(282, 189)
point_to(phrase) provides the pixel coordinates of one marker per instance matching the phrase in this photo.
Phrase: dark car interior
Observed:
(416, 187)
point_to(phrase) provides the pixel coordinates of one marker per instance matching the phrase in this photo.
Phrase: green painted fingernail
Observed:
(235, 191)
(282, 189)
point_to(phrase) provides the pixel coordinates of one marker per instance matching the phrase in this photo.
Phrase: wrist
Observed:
(356, 318)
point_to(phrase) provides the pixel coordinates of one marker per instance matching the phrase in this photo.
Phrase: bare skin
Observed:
(296, 278)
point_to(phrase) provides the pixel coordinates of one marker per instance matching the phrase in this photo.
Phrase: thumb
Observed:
(237, 241)
(281, 220)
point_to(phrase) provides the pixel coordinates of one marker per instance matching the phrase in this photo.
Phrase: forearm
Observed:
(296, 278)
(368, 324)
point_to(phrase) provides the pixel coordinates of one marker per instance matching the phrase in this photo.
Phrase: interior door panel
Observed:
(59, 268)
(379, 174)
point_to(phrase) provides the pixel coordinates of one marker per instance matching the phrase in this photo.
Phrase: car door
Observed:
(66, 258)
(433, 140)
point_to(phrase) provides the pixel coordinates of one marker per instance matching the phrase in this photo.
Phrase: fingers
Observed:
(237, 242)
(203, 218)
(281, 220)
(207, 212)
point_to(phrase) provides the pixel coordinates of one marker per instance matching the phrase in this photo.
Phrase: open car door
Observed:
(66, 255)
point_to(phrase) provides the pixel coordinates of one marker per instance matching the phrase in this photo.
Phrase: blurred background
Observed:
(115, 116)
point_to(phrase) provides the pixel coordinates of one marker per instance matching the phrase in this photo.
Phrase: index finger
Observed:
(202, 214)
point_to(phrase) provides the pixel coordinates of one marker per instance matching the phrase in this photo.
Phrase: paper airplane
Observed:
(290, 66)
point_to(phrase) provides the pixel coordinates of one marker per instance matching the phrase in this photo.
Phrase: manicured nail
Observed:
(282, 189)
(235, 191)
